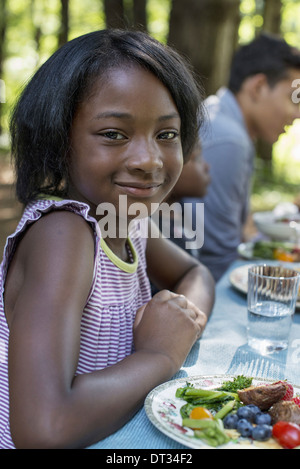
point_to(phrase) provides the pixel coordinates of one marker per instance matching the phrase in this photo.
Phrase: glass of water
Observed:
(272, 296)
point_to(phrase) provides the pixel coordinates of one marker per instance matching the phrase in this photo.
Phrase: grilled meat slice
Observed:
(287, 411)
(264, 396)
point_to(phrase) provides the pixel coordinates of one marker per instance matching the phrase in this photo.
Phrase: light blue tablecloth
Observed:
(222, 349)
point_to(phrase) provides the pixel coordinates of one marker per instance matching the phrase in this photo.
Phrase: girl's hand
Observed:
(168, 324)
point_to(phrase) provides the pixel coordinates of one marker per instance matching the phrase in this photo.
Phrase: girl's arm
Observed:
(46, 290)
(170, 267)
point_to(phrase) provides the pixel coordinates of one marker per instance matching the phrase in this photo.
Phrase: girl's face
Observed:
(125, 140)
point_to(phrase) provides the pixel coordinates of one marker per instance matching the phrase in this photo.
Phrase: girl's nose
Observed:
(145, 157)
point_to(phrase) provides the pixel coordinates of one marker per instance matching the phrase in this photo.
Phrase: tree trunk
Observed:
(272, 24)
(206, 31)
(64, 23)
(272, 16)
(37, 30)
(3, 25)
(140, 14)
(114, 13)
(120, 14)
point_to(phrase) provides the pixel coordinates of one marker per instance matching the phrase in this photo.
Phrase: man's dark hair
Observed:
(268, 54)
(42, 119)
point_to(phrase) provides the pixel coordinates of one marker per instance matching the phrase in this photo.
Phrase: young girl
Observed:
(110, 114)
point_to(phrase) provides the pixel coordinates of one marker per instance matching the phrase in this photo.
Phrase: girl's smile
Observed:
(125, 140)
(139, 189)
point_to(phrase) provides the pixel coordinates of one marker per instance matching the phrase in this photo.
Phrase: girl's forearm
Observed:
(118, 392)
(199, 287)
(96, 405)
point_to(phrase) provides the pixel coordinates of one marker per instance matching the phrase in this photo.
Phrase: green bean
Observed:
(198, 423)
(225, 410)
(210, 431)
(202, 395)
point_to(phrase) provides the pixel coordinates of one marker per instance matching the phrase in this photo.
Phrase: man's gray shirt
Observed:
(230, 152)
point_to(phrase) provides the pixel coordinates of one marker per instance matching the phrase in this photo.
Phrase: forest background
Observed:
(206, 31)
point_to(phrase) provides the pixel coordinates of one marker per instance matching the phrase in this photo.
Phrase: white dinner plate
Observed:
(239, 280)
(163, 410)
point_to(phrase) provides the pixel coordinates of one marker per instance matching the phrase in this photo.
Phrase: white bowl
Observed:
(276, 228)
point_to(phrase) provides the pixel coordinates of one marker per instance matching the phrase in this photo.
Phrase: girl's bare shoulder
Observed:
(56, 250)
(58, 228)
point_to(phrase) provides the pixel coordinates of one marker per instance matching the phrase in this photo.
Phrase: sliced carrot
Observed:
(280, 255)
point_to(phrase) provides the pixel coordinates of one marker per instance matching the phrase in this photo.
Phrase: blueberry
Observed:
(261, 432)
(256, 410)
(245, 413)
(263, 419)
(244, 427)
(230, 421)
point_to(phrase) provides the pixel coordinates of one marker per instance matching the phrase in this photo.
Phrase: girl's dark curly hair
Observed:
(42, 119)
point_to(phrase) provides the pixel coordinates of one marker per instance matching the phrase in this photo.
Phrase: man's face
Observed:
(275, 108)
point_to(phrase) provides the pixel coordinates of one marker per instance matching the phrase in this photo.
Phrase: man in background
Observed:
(256, 104)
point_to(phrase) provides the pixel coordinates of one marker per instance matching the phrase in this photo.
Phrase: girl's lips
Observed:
(139, 190)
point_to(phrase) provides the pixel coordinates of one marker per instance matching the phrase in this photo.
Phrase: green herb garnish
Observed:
(239, 382)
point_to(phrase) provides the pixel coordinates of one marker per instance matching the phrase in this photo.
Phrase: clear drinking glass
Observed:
(272, 296)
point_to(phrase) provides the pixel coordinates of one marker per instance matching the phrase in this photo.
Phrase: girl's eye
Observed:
(170, 135)
(113, 135)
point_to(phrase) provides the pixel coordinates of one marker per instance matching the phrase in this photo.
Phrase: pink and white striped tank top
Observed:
(118, 289)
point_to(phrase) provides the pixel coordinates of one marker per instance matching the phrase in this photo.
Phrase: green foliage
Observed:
(291, 21)
(158, 18)
(86, 16)
(286, 156)
(281, 181)
(32, 36)
(251, 20)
